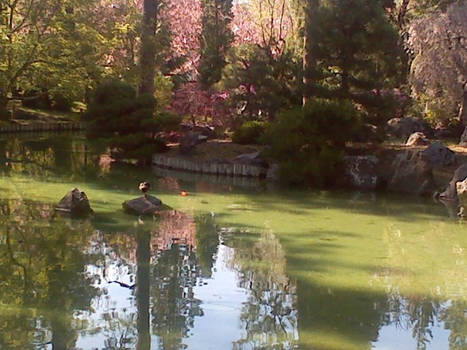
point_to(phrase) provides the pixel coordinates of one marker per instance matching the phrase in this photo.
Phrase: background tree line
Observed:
(239, 65)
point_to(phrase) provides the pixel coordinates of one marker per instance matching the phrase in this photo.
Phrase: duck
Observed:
(144, 188)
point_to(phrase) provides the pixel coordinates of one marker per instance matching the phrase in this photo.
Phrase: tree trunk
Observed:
(311, 8)
(148, 47)
(402, 13)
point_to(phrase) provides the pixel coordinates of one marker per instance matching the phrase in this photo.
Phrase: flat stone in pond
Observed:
(142, 205)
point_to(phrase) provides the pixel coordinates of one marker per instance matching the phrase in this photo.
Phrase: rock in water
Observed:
(75, 203)
(144, 205)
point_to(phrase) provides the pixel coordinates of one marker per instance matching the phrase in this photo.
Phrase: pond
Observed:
(238, 263)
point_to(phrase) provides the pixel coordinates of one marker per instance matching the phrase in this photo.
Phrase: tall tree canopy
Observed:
(437, 40)
(215, 40)
(355, 49)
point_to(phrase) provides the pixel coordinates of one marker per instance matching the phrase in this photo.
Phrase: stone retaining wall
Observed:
(36, 127)
(210, 179)
(219, 168)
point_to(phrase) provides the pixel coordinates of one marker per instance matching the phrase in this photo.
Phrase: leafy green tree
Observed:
(215, 40)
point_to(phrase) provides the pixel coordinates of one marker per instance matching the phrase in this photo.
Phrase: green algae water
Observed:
(237, 264)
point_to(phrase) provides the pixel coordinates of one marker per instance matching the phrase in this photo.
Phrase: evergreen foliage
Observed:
(308, 142)
(215, 40)
(356, 51)
(262, 83)
(128, 122)
(250, 132)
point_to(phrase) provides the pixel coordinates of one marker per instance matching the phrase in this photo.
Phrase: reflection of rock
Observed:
(145, 205)
(462, 195)
(75, 203)
(176, 227)
(361, 171)
(412, 174)
(451, 206)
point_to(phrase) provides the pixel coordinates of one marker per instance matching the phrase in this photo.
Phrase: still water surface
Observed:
(236, 265)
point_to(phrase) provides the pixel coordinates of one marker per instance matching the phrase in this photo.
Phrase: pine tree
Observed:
(215, 40)
(355, 49)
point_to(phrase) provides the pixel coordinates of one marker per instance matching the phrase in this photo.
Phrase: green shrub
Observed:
(110, 102)
(308, 143)
(166, 121)
(249, 132)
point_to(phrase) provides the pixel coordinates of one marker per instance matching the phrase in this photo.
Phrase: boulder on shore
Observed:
(450, 193)
(412, 174)
(75, 203)
(144, 205)
(417, 139)
(361, 172)
(404, 127)
(438, 155)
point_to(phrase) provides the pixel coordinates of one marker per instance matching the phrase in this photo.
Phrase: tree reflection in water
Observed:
(50, 270)
(175, 272)
(168, 268)
(43, 276)
(269, 317)
(422, 312)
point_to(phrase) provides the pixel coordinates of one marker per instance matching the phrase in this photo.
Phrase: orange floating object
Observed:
(184, 193)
